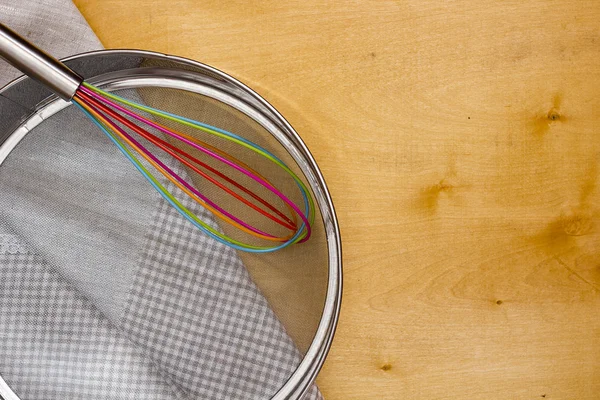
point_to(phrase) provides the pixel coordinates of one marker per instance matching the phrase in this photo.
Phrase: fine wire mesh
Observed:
(104, 288)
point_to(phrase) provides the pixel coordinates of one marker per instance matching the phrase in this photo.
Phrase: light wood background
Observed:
(461, 143)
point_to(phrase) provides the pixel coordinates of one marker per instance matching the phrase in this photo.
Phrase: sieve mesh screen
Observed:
(104, 288)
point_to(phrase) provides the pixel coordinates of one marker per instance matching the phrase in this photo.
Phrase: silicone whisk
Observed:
(121, 120)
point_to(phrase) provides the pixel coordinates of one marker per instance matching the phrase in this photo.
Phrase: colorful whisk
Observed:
(118, 119)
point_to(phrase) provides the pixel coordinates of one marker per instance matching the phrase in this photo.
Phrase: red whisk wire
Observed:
(176, 152)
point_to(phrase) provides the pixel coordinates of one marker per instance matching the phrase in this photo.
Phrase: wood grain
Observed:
(461, 144)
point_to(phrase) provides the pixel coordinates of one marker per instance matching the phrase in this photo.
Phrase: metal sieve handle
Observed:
(37, 64)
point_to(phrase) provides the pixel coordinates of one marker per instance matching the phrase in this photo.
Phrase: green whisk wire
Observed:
(308, 217)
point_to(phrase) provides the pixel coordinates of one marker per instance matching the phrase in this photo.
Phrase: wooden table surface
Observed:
(461, 144)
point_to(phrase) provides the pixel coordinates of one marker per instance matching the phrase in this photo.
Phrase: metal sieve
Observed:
(51, 210)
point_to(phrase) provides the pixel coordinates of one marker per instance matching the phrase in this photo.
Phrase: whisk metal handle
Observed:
(38, 64)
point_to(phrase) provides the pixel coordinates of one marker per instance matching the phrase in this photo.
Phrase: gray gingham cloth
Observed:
(178, 318)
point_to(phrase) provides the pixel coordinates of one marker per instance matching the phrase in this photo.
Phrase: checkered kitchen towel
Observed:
(180, 318)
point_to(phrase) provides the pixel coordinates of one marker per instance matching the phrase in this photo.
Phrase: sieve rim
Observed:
(305, 373)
